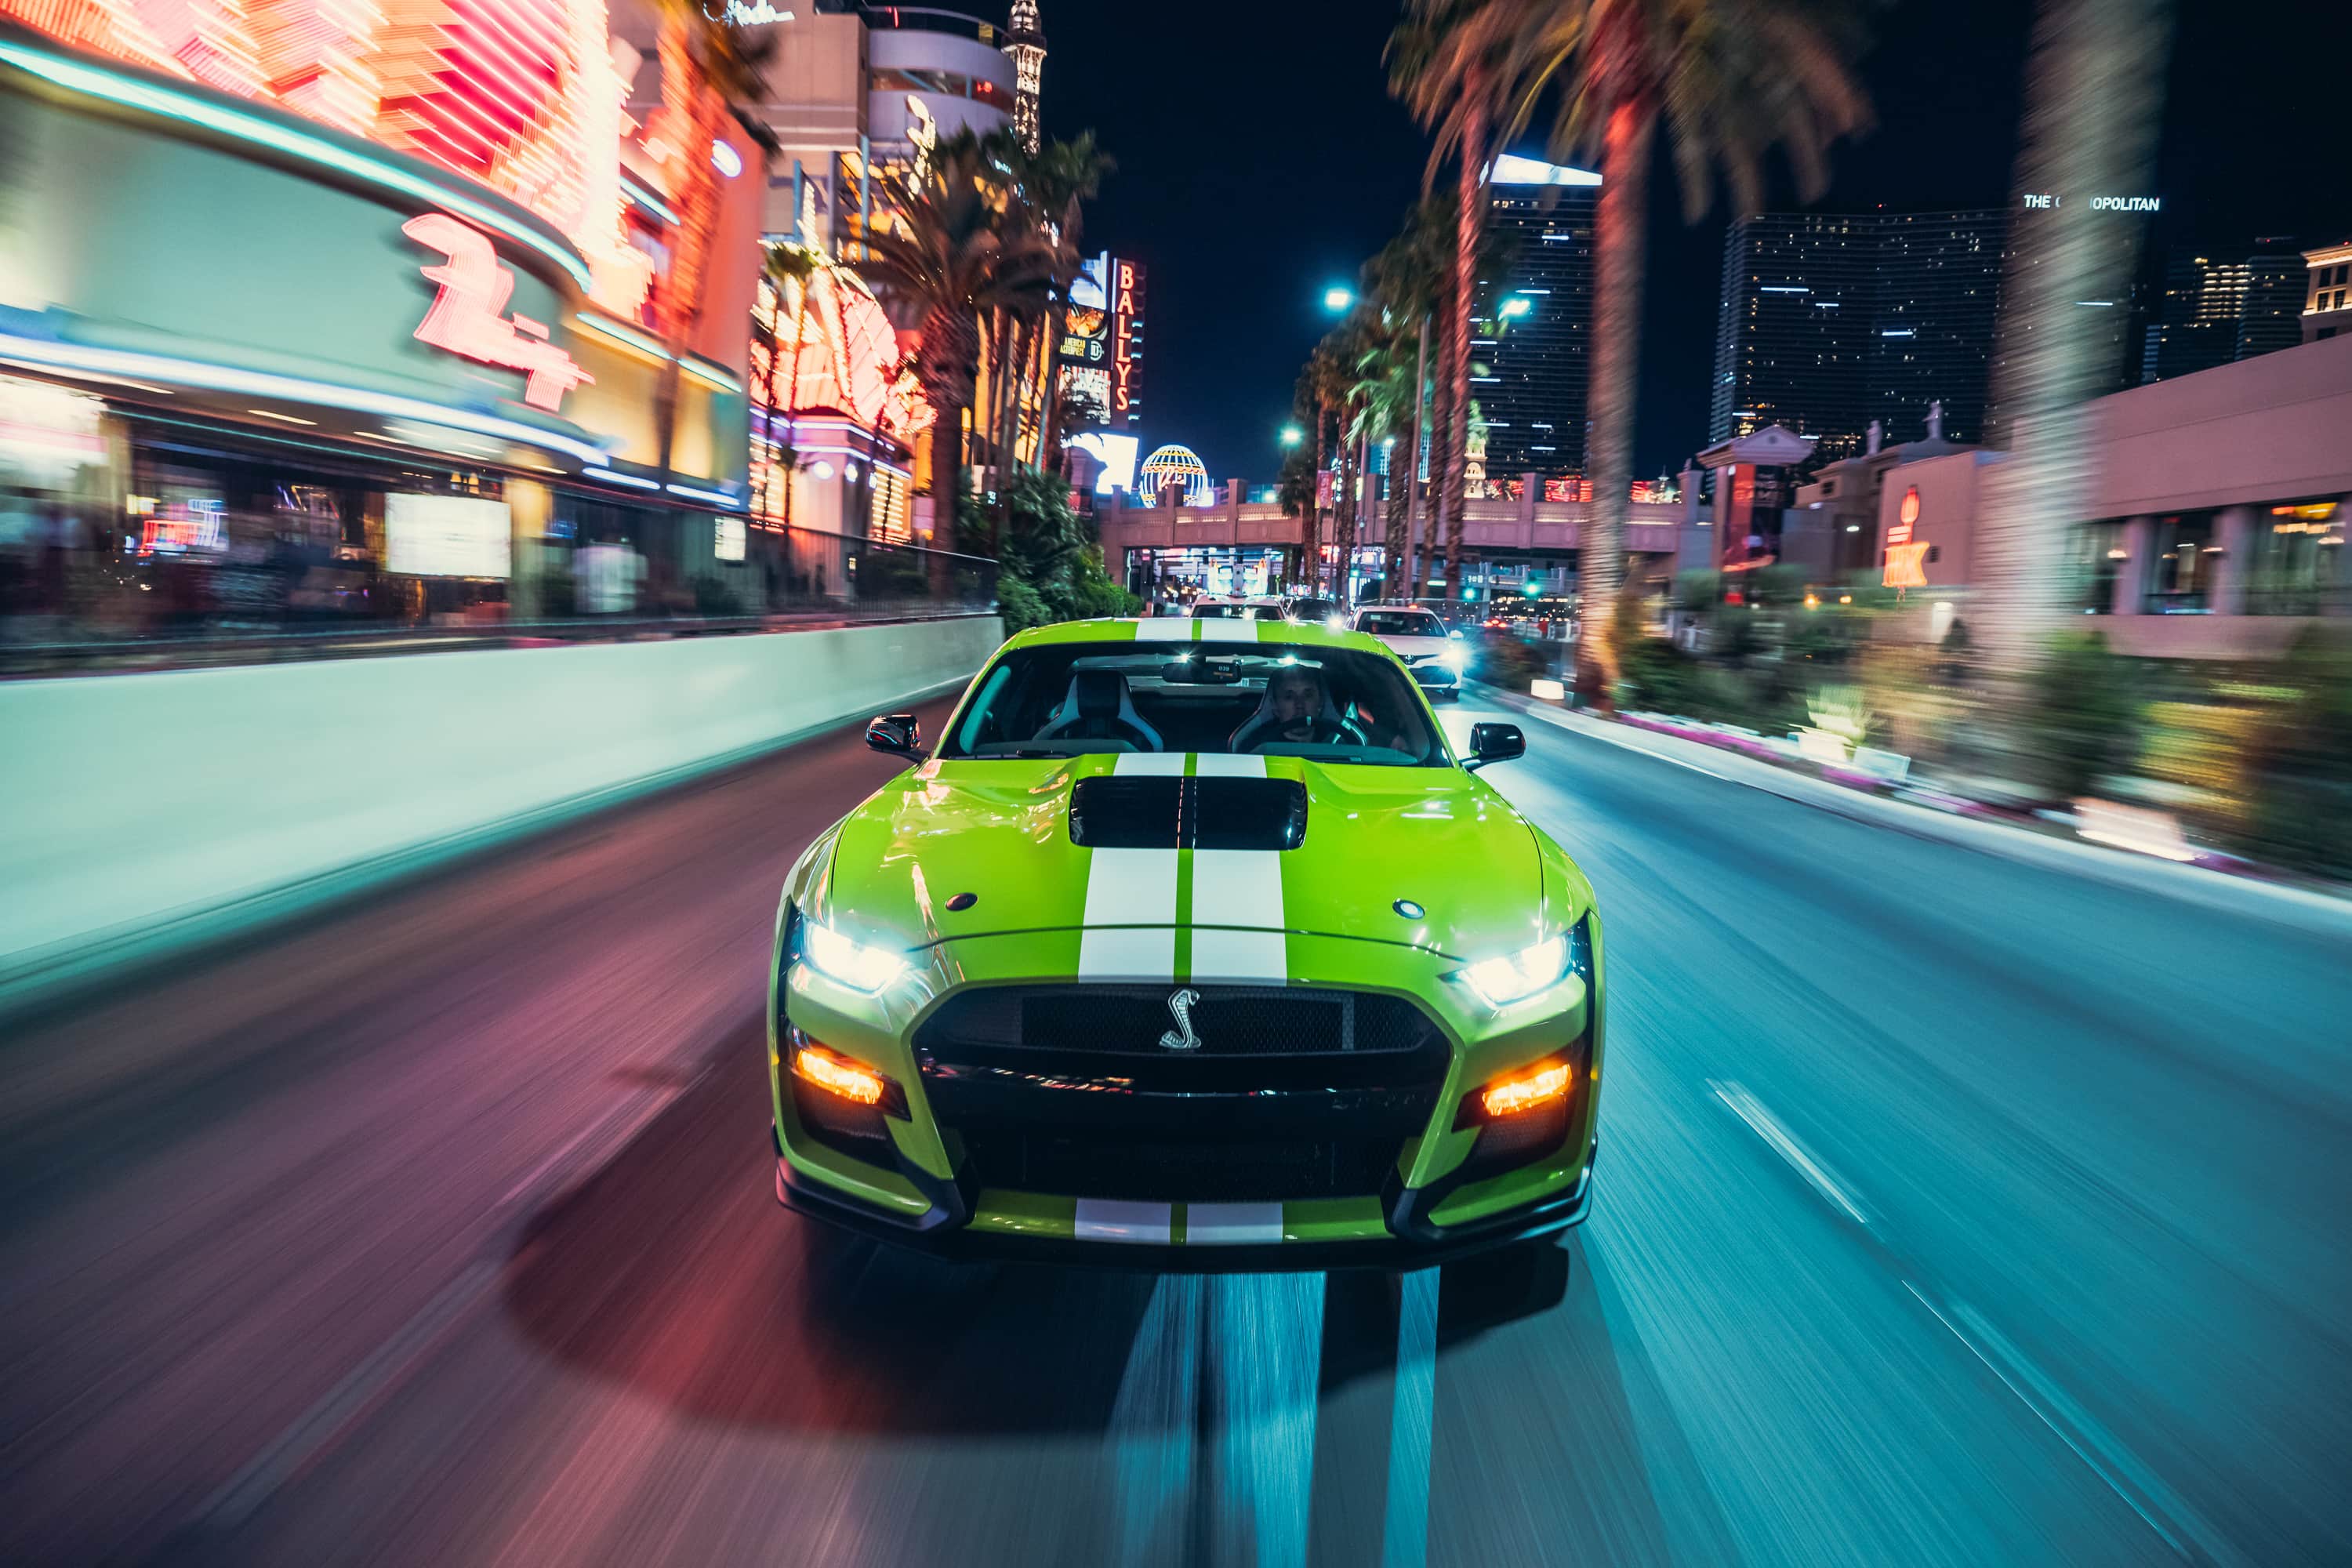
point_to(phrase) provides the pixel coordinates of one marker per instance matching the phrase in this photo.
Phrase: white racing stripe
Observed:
(1234, 890)
(1226, 765)
(1150, 764)
(1165, 629)
(1225, 631)
(1111, 1219)
(1232, 1224)
(1130, 911)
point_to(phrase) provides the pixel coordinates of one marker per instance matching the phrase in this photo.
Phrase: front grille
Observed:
(1166, 1172)
(1292, 1092)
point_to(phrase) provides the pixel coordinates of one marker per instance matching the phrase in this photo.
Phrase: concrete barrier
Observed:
(143, 812)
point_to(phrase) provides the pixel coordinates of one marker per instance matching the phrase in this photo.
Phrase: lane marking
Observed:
(1116, 1220)
(1404, 1526)
(1154, 1424)
(1265, 1350)
(1783, 1142)
(1232, 1224)
(2093, 1443)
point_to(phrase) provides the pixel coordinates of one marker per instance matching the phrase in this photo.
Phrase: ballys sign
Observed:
(467, 316)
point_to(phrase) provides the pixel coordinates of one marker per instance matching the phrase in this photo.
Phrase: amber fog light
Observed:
(1516, 1093)
(824, 1068)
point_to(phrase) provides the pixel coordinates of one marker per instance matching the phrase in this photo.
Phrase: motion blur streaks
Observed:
(1953, 1208)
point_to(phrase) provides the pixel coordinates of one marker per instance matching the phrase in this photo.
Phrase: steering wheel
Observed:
(1321, 731)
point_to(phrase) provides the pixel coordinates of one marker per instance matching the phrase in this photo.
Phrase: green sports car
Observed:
(1193, 945)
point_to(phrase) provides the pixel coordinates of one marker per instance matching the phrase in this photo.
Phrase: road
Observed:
(1952, 1209)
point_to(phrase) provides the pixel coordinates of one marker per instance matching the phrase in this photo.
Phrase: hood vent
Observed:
(1114, 813)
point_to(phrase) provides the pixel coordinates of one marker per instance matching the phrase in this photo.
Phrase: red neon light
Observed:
(465, 317)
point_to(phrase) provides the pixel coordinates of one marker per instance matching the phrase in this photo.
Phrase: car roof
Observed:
(1292, 634)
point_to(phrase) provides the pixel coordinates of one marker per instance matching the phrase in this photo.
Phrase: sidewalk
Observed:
(2236, 887)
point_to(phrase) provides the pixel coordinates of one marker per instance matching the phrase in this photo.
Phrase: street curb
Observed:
(1972, 824)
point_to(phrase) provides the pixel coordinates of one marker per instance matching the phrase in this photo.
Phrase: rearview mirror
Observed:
(898, 733)
(1495, 743)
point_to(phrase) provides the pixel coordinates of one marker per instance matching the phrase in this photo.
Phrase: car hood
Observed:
(1438, 839)
(1416, 648)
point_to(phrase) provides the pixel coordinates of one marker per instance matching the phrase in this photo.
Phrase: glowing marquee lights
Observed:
(466, 318)
(1124, 322)
(1906, 561)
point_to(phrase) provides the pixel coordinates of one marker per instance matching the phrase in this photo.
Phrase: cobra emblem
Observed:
(1180, 1005)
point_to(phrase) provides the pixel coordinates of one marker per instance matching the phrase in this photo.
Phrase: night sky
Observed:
(1261, 160)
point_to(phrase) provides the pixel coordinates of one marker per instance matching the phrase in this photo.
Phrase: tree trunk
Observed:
(1439, 510)
(1468, 221)
(1408, 523)
(1311, 535)
(2095, 79)
(1619, 230)
(1049, 420)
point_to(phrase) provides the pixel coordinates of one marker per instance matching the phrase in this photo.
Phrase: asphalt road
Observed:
(1952, 1209)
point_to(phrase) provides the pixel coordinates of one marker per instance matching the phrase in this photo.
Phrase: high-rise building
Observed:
(1528, 376)
(1025, 43)
(2112, 279)
(2327, 275)
(2212, 310)
(1829, 320)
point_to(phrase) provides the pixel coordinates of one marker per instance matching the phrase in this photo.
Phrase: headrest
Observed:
(1098, 692)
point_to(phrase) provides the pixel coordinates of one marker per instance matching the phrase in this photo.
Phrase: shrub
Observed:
(2082, 718)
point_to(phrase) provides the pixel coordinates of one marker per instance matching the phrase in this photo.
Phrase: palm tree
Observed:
(706, 66)
(1062, 177)
(1728, 80)
(950, 258)
(2094, 81)
(787, 268)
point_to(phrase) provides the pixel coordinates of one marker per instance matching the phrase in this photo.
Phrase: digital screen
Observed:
(446, 536)
(728, 543)
(1118, 455)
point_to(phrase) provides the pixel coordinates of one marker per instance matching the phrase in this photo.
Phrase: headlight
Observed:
(1514, 976)
(851, 963)
(1335, 622)
(1455, 656)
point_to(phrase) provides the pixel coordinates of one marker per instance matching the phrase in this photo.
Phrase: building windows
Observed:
(2295, 560)
(2180, 580)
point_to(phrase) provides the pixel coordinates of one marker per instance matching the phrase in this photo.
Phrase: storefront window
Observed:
(2098, 558)
(2296, 562)
(2179, 578)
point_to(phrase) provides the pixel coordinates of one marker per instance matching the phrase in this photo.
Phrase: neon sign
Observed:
(1123, 355)
(467, 317)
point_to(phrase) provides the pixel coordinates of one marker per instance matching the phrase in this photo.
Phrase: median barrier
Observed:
(144, 813)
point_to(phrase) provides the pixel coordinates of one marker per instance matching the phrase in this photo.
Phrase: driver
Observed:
(1298, 708)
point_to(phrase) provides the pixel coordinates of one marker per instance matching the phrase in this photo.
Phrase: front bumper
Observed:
(1410, 1241)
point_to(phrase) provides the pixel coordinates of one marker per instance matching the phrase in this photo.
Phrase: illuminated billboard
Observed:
(1101, 350)
(1116, 453)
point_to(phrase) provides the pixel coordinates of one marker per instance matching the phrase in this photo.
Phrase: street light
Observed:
(1337, 300)
(1292, 435)
(1517, 305)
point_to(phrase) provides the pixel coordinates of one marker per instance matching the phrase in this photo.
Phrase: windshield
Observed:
(1313, 609)
(1401, 624)
(1227, 612)
(1071, 699)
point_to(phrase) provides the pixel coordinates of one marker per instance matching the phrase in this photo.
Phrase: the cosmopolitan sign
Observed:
(2099, 204)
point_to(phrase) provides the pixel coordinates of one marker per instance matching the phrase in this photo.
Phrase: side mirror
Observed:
(1495, 743)
(898, 733)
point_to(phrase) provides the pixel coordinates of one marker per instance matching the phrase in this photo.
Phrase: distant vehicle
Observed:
(1435, 656)
(1307, 610)
(1261, 608)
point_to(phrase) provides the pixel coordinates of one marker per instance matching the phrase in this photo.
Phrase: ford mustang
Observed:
(1191, 944)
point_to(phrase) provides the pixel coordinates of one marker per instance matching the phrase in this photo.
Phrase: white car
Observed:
(1435, 656)
(1219, 609)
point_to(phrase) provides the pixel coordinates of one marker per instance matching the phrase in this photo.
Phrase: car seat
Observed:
(1097, 708)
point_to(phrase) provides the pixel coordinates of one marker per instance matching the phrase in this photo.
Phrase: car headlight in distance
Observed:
(1514, 976)
(1335, 622)
(1455, 656)
(847, 963)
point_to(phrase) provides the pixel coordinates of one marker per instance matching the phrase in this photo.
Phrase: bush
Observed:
(1049, 567)
(2300, 770)
(2082, 717)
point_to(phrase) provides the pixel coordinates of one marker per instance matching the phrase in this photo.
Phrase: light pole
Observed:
(1338, 299)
